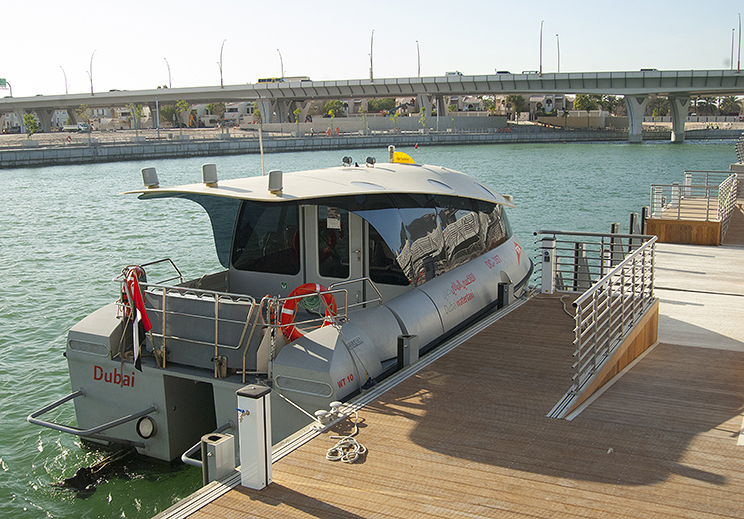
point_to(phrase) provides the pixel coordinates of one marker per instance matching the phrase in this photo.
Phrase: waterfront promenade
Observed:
(58, 148)
(467, 435)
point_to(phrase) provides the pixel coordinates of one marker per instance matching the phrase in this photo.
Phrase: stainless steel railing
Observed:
(574, 261)
(614, 273)
(704, 196)
(609, 310)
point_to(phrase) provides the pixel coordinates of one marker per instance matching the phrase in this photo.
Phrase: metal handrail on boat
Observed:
(33, 418)
(276, 303)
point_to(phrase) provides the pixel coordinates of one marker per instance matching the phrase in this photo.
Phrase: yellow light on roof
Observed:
(402, 158)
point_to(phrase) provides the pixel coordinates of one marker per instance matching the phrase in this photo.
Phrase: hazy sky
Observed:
(130, 41)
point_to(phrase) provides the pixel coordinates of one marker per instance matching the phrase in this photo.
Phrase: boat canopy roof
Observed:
(340, 181)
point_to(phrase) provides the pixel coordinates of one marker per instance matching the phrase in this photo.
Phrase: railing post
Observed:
(657, 201)
(254, 415)
(676, 198)
(549, 264)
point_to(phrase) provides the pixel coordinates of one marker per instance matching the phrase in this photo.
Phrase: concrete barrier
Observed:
(57, 155)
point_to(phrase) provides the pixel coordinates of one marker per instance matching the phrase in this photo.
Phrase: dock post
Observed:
(254, 415)
(549, 265)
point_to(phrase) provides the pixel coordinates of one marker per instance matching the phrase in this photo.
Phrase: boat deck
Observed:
(468, 436)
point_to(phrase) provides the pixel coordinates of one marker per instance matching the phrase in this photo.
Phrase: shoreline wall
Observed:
(165, 149)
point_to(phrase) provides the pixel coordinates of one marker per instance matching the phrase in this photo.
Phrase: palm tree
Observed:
(729, 105)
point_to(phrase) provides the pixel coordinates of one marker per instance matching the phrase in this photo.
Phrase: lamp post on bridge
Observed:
(281, 63)
(169, 73)
(90, 72)
(418, 53)
(222, 85)
(65, 74)
(558, 44)
(541, 34)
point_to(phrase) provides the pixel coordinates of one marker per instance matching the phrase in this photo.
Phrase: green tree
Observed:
(729, 105)
(296, 114)
(181, 108)
(517, 103)
(380, 105)
(137, 112)
(257, 114)
(32, 126)
(217, 109)
(84, 113)
(422, 117)
(584, 102)
(333, 108)
(706, 106)
(657, 106)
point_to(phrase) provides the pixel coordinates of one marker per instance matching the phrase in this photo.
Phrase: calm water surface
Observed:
(67, 231)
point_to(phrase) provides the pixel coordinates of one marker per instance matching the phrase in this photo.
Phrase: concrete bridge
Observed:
(276, 100)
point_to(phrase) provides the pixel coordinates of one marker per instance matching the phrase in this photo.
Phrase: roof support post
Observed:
(636, 106)
(679, 109)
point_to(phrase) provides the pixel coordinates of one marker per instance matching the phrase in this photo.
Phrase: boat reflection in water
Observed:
(324, 271)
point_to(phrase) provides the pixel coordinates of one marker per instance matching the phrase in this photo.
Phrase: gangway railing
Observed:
(614, 274)
(609, 310)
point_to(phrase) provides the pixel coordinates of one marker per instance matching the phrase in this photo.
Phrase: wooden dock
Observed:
(468, 436)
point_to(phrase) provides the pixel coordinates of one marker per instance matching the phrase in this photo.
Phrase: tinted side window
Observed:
(267, 238)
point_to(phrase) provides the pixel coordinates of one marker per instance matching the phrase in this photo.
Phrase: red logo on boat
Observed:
(113, 377)
(519, 251)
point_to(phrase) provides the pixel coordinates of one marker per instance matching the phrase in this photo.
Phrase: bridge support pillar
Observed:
(679, 117)
(424, 101)
(636, 106)
(45, 117)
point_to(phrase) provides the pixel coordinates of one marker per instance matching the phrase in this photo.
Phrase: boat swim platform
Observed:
(467, 435)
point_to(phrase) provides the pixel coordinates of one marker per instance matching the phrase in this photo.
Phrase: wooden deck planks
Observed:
(468, 437)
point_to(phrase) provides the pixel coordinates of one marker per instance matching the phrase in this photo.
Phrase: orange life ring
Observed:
(290, 306)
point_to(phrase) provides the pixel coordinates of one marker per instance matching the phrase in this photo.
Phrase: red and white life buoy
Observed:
(69, 139)
(290, 307)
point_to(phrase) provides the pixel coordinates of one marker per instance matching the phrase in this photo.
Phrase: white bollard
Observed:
(254, 417)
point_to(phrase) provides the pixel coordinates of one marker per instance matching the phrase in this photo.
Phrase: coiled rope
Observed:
(347, 449)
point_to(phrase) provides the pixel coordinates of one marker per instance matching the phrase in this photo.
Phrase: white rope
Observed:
(347, 449)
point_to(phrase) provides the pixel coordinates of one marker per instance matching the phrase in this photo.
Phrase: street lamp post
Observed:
(222, 85)
(371, 44)
(418, 53)
(281, 62)
(90, 72)
(65, 74)
(541, 33)
(558, 44)
(738, 60)
(169, 73)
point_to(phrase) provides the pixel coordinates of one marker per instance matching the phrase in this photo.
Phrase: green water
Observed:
(67, 231)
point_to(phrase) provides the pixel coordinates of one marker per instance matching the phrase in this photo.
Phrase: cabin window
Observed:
(383, 265)
(462, 237)
(267, 238)
(333, 242)
(494, 224)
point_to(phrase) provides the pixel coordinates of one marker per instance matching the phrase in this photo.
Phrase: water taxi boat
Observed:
(333, 279)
